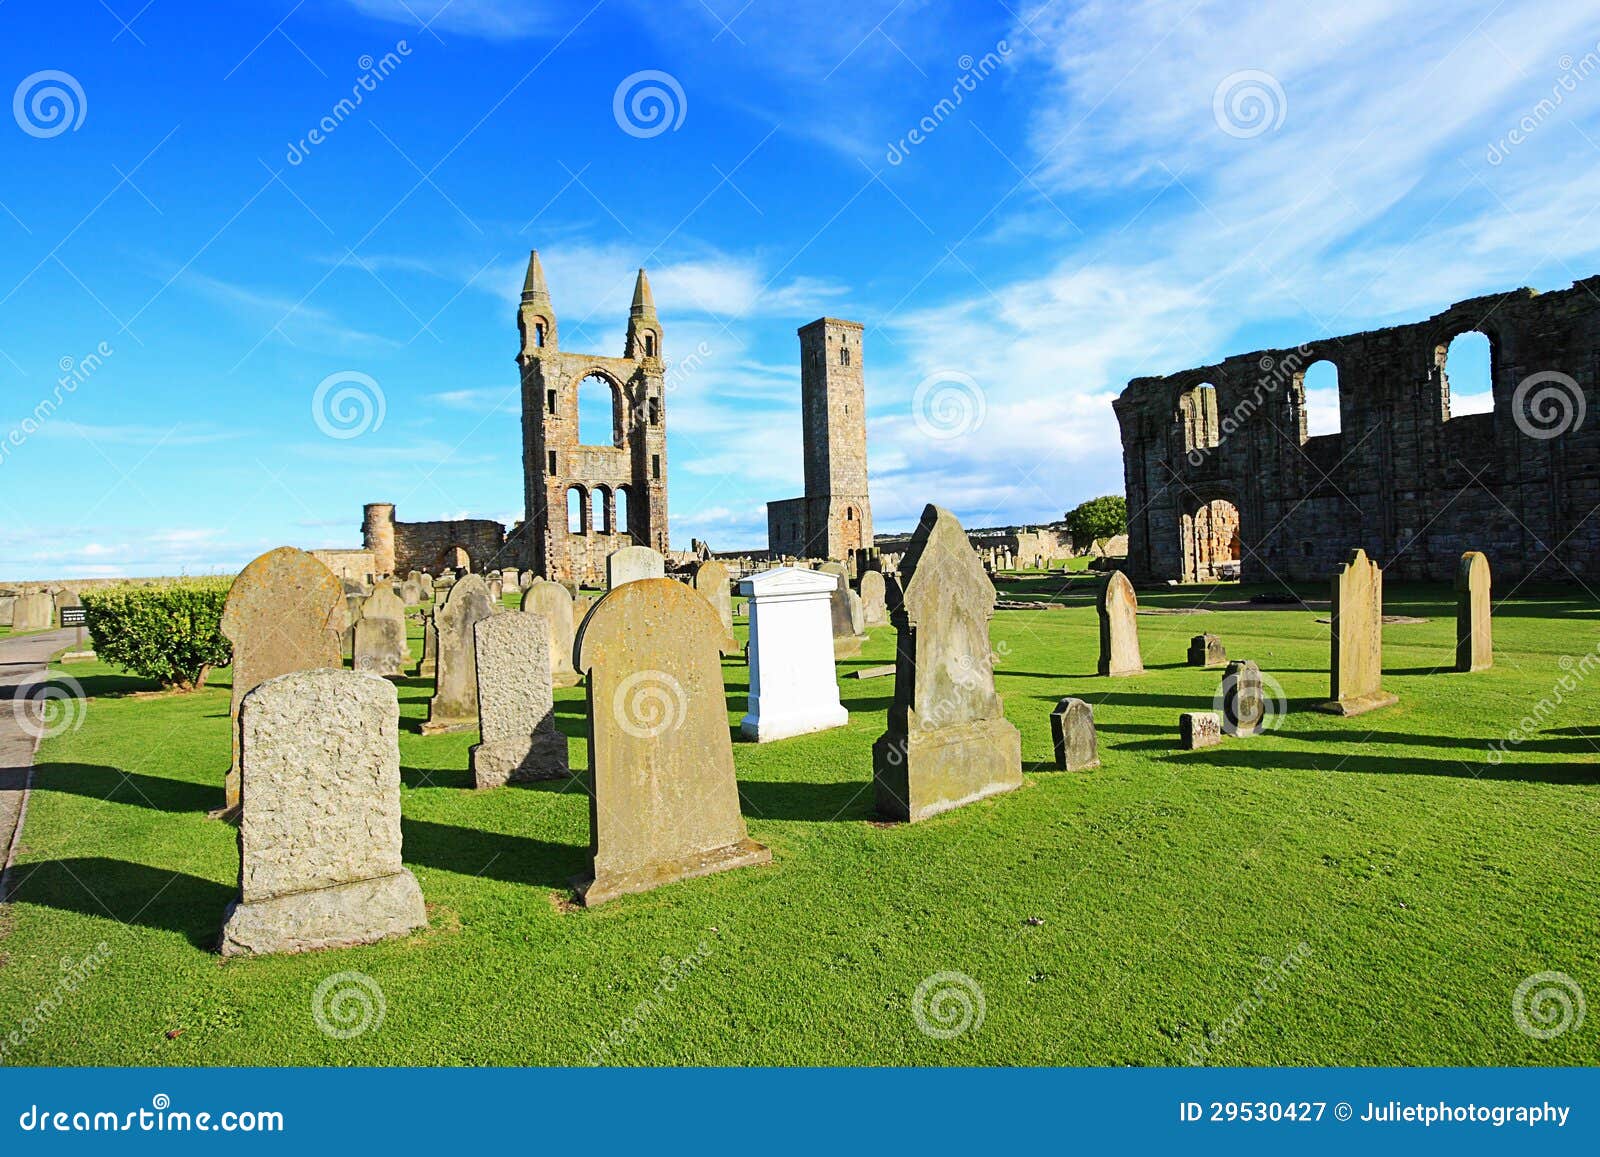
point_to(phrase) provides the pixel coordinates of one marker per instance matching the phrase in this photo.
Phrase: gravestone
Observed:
(793, 690)
(948, 742)
(1072, 730)
(454, 706)
(664, 801)
(319, 826)
(497, 589)
(632, 563)
(33, 611)
(526, 579)
(411, 593)
(1474, 634)
(874, 611)
(1244, 705)
(8, 605)
(65, 598)
(1207, 651)
(1197, 729)
(428, 668)
(858, 614)
(380, 634)
(516, 713)
(711, 580)
(285, 612)
(1356, 632)
(510, 579)
(552, 601)
(1119, 629)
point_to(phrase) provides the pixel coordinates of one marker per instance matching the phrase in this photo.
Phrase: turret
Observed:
(536, 317)
(644, 327)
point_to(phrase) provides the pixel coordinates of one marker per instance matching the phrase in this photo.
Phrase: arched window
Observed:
(538, 334)
(1196, 417)
(575, 499)
(649, 345)
(597, 412)
(601, 517)
(844, 355)
(1320, 388)
(622, 511)
(1464, 367)
(849, 513)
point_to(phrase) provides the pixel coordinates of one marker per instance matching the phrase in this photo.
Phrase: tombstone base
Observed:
(593, 890)
(78, 657)
(497, 764)
(566, 679)
(337, 917)
(1105, 670)
(765, 728)
(1360, 705)
(928, 772)
(847, 646)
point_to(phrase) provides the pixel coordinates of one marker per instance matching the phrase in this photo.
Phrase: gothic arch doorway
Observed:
(1210, 541)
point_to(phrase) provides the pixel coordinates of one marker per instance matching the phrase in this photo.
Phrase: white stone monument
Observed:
(792, 686)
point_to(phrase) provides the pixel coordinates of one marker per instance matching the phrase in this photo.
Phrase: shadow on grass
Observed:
(128, 893)
(96, 781)
(850, 801)
(1241, 754)
(513, 859)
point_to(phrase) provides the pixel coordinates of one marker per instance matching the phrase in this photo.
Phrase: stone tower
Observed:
(834, 519)
(585, 501)
(377, 535)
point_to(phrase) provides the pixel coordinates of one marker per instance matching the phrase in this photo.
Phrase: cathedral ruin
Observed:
(1220, 468)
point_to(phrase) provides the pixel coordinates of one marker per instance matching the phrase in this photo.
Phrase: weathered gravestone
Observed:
(632, 563)
(65, 598)
(847, 638)
(1244, 704)
(516, 713)
(428, 668)
(510, 579)
(454, 706)
(664, 804)
(711, 580)
(1356, 670)
(1197, 729)
(319, 829)
(948, 741)
(411, 593)
(380, 634)
(33, 611)
(1119, 628)
(1474, 635)
(8, 605)
(497, 590)
(1072, 730)
(285, 612)
(792, 685)
(1207, 651)
(526, 579)
(552, 601)
(874, 611)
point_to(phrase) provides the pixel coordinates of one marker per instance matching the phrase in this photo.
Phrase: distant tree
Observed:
(1098, 520)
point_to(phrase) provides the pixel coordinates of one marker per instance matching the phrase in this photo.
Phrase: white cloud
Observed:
(490, 19)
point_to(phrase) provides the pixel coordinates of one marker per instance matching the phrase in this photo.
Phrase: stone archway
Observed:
(1211, 542)
(453, 558)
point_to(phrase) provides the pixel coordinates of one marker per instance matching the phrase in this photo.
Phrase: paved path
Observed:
(23, 663)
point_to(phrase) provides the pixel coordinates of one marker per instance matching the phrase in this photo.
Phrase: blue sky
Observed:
(1095, 207)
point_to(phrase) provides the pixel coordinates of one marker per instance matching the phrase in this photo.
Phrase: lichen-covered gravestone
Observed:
(1072, 730)
(33, 611)
(454, 706)
(319, 829)
(1474, 635)
(711, 580)
(516, 713)
(380, 638)
(948, 741)
(1244, 703)
(1197, 729)
(1119, 627)
(553, 601)
(632, 563)
(874, 610)
(285, 612)
(1356, 667)
(1207, 651)
(664, 804)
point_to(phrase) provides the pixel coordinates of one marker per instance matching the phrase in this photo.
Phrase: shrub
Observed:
(170, 632)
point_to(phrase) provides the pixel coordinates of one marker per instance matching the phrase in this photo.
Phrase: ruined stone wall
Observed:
(1402, 479)
(427, 546)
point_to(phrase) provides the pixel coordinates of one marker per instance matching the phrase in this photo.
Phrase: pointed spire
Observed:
(533, 287)
(644, 302)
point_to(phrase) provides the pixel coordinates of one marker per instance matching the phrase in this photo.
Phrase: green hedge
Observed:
(171, 632)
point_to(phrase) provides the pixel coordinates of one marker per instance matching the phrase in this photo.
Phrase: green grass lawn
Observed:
(1111, 917)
